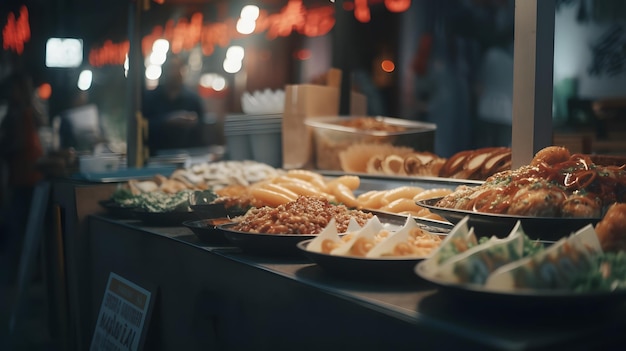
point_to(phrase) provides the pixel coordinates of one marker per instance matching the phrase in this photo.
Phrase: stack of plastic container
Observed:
(254, 137)
(257, 134)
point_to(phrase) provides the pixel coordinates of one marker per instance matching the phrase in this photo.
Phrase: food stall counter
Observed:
(219, 296)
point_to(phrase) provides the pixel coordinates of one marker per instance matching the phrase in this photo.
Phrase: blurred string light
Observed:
(161, 46)
(250, 12)
(234, 59)
(154, 61)
(235, 53)
(84, 80)
(246, 24)
(232, 66)
(157, 58)
(311, 21)
(153, 72)
(213, 81)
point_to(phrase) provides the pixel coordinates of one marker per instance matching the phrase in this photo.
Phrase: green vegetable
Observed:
(608, 273)
(123, 197)
(530, 248)
(162, 202)
(155, 201)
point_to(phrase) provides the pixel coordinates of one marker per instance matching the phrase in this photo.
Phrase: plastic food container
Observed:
(254, 137)
(331, 135)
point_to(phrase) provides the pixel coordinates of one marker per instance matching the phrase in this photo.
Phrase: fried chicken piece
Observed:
(581, 206)
(611, 230)
(551, 155)
(540, 202)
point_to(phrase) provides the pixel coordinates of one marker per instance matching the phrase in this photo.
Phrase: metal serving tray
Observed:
(383, 182)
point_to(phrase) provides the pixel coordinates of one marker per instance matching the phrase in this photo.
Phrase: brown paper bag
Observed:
(301, 102)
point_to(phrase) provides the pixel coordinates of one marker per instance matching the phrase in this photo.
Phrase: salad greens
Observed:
(608, 273)
(157, 201)
(530, 248)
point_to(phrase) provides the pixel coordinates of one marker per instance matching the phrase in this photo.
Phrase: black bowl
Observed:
(538, 301)
(216, 210)
(164, 219)
(265, 244)
(500, 225)
(206, 230)
(210, 210)
(386, 270)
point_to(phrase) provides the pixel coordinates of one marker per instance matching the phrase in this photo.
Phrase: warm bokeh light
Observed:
(157, 57)
(397, 5)
(246, 26)
(44, 91)
(250, 12)
(387, 66)
(294, 17)
(232, 66)
(219, 83)
(303, 54)
(16, 31)
(235, 53)
(213, 81)
(161, 46)
(362, 11)
(153, 72)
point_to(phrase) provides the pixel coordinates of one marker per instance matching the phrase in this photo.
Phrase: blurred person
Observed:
(455, 82)
(20, 150)
(174, 111)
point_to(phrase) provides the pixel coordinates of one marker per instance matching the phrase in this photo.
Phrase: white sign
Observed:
(122, 316)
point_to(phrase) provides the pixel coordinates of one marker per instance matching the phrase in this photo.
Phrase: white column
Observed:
(532, 79)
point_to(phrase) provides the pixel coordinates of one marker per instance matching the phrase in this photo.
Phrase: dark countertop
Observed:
(483, 322)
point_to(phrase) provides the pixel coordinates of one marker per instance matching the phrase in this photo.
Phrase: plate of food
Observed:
(587, 267)
(487, 224)
(397, 269)
(263, 243)
(373, 252)
(542, 301)
(276, 230)
(428, 224)
(207, 230)
(554, 195)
